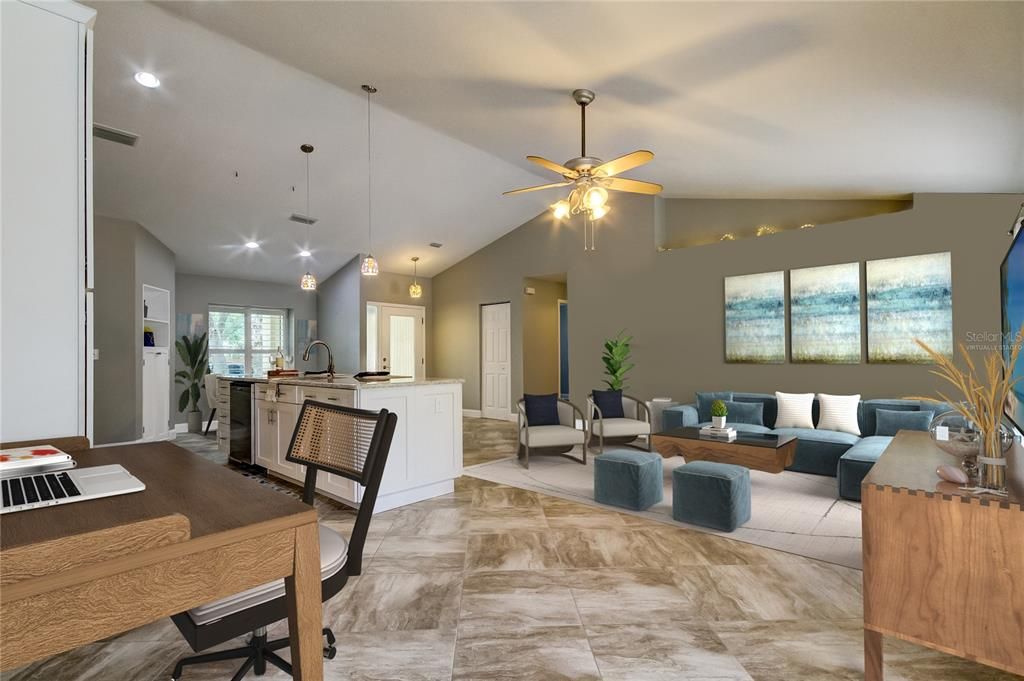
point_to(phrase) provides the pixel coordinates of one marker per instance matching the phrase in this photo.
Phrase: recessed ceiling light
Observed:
(304, 253)
(147, 79)
(251, 244)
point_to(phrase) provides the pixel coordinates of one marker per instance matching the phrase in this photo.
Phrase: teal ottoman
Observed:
(715, 495)
(628, 479)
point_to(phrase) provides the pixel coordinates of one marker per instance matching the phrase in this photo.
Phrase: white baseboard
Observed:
(169, 435)
(477, 414)
(471, 413)
(183, 427)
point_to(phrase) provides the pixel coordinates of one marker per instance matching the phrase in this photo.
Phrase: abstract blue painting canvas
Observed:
(824, 304)
(909, 298)
(755, 318)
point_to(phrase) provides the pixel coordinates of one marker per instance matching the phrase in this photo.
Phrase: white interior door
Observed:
(402, 340)
(496, 339)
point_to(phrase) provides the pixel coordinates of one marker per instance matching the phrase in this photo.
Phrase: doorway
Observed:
(563, 349)
(396, 339)
(496, 361)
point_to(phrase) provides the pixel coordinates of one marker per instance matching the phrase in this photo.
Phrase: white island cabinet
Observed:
(426, 452)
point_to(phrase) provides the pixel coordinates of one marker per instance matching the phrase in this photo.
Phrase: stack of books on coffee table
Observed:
(726, 433)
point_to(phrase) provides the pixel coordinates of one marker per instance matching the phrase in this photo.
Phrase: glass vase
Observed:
(992, 459)
(955, 435)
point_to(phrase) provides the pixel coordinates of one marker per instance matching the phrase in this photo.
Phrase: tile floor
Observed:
(494, 582)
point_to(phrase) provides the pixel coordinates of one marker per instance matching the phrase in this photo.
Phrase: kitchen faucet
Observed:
(330, 358)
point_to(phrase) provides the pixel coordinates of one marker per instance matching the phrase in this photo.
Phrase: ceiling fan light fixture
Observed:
(369, 268)
(599, 212)
(595, 197)
(560, 209)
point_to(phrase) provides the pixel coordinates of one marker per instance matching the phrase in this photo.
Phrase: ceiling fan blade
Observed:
(622, 184)
(533, 189)
(623, 163)
(552, 166)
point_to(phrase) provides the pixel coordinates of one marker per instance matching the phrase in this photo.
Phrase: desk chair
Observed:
(353, 443)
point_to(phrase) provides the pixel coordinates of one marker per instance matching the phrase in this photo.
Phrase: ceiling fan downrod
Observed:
(583, 97)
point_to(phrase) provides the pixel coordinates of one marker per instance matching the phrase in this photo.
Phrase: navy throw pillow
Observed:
(610, 403)
(889, 422)
(751, 413)
(542, 410)
(704, 401)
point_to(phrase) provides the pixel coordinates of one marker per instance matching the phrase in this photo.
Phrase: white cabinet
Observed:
(46, 212)
(264, 433)
(156, 376)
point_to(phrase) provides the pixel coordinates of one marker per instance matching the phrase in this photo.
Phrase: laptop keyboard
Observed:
(31, 489)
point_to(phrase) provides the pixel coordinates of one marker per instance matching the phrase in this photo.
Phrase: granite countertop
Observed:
(344, 381)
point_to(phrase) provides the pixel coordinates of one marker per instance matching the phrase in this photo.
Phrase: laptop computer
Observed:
(35, 490)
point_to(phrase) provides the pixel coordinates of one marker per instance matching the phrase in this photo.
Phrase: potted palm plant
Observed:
(719, 412)
(192, 352)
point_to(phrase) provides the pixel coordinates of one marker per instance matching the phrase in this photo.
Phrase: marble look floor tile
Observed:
(392, 656)
(628, 597)
(505, 497)
(645, 653)
(538, 654)
(418, 554)
(568, 514)
(392, 602)
(509, 601)
(814, 650)
(506, 519)
(431, 521)
(139, 661)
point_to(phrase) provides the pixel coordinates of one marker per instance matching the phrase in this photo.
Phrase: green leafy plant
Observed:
(718, 409)
(193, 355)
(616, 360)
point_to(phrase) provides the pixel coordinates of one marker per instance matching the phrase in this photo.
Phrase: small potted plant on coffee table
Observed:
(718, 413)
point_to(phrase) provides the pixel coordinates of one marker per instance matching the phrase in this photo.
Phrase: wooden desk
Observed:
(942, 568)
(234, 535)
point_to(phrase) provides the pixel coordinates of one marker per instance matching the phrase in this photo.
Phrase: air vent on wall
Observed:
(114, 135)
(434, 244)
(302, 219)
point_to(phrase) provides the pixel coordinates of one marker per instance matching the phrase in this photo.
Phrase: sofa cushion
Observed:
(541, 410)
(868, 419)
(620, 427)
(704, 401)
(868, 449)
(889, 422)
(552, 436)
(839, 412)
(767, 402)
(609, 402)
(742, 427)
(745, 412)
(856, 463)
(680, 416)
(795, 410)
(815, 435)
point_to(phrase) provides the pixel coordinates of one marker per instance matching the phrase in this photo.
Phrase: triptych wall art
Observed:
(906, 298)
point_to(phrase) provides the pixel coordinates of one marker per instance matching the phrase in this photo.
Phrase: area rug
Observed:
(793, 512)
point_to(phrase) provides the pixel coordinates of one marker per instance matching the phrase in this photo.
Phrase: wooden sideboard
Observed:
(942, 568)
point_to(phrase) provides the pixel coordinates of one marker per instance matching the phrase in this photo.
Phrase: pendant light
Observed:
(415, 290)
(369, 268)
(308, 281)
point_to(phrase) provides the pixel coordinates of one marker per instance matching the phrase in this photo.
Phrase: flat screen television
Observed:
(1011, 275)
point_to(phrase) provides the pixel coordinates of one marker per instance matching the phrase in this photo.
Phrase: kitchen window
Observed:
(245, 340)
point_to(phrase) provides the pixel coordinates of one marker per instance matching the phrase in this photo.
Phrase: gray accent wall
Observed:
(195, 293)
(672, 302)
(127, 257)
(340, 317)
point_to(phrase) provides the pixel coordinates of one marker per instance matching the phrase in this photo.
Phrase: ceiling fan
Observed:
(591, 177)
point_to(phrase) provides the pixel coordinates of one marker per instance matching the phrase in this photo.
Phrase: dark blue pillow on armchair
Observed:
(542, 410)
(610, 403)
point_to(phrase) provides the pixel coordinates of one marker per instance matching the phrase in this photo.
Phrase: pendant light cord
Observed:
(369, 175)
(309, 215)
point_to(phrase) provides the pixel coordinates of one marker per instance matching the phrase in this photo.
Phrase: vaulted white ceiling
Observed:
(810, 100)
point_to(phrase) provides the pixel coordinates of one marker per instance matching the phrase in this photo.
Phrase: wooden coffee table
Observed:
(757, 451)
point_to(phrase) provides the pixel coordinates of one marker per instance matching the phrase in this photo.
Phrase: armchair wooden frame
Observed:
(640, 409)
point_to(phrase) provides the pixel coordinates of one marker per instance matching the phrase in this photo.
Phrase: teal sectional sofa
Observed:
(844, 456)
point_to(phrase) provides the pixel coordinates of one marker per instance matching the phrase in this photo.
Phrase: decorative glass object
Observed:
(369, 267)
(308, 282)
(982, 459)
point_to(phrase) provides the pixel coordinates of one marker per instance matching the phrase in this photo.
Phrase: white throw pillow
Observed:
(839, 413)
(794, 410)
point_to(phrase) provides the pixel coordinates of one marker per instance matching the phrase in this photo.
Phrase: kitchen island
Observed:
(426, 452)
